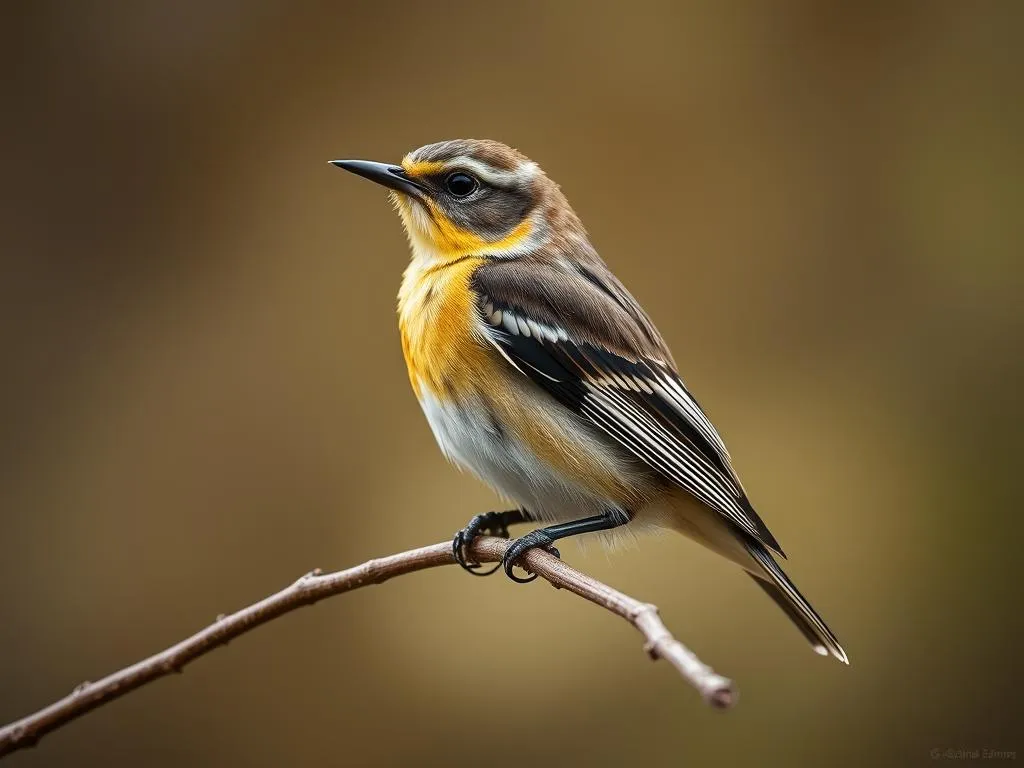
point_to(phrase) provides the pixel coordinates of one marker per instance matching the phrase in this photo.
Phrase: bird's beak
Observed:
(390, 176)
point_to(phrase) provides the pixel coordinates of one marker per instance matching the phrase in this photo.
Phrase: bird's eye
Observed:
(461, 184)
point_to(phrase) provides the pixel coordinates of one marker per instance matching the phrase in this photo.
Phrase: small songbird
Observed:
(543, 376)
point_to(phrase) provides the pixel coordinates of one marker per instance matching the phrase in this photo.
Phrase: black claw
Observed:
(518, 579)
(519, 547)
(494, 523)
(459, 547)
(475, 569)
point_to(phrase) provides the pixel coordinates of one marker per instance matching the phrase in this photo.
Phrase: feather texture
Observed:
(595, 351)
(540, 373)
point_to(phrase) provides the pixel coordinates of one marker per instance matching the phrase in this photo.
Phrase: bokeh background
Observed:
(203, 394)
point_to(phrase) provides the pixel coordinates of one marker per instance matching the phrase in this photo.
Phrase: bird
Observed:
(539, 373)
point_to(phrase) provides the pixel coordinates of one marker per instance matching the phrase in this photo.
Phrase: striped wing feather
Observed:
(578, 334)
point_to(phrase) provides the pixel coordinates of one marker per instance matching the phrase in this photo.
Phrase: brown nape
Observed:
(562, 220)
(493, 153)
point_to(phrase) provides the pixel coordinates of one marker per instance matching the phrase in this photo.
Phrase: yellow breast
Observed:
(436, 314)
(448, 361)
(446, 358)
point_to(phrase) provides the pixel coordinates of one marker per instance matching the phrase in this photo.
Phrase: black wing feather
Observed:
(641, 403)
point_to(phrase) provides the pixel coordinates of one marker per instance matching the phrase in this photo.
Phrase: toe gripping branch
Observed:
(496, 523)
(493, 523)
(518, 548)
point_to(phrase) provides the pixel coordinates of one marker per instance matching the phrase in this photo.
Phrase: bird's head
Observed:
(472, 197)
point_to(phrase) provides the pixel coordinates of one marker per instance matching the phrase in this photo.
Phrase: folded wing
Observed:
(579, 335)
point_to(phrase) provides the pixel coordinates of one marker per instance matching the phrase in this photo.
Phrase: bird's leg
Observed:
(494, 523)
(545, 537)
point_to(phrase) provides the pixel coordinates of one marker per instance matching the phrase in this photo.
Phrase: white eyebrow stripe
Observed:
(524, 172)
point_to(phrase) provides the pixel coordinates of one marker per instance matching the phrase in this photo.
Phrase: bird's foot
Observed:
(519, 547)
(494, 523)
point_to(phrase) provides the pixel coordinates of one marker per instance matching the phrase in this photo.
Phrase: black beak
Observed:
(390, 176)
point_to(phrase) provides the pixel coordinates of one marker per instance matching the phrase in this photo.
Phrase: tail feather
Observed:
(788, 597)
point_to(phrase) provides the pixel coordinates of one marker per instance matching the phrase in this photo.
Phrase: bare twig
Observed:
(716, 690)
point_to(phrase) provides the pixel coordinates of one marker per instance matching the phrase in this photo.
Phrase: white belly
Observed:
(469, 437)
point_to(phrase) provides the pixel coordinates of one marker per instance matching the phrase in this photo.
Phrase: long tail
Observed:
(788, 597)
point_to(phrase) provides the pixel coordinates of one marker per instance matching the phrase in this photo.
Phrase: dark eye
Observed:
(461, 184)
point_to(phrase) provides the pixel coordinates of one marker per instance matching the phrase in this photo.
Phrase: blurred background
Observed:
(203, 394)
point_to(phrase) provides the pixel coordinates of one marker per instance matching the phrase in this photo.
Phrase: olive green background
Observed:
(203, 394)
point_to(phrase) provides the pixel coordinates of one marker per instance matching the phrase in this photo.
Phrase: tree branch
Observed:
(716, 690)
